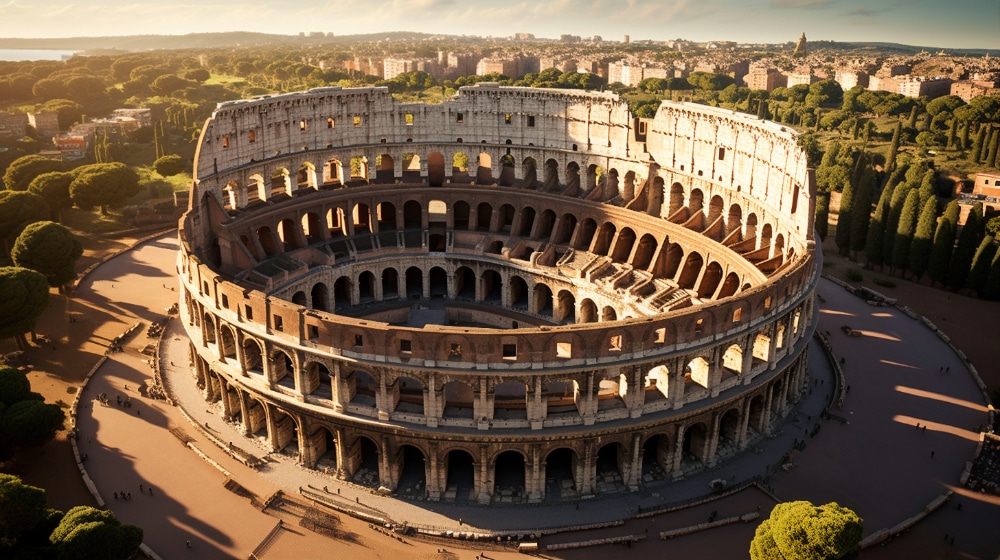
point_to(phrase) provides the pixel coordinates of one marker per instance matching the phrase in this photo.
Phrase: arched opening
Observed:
(386, 216)
(484, 216)
(288, 234)
(695, 440)
(588, 312)
(282, 369)
(412, 215)
(656, 458)
(506, 218)
(545, 223)
(359, 169)
(715, 206)
(594, 173)
(458, 400)
(729, 432)
(735, 219)
(267, 241)
(509, 476)
(550, 181)
(588, 229)
(412, 473)
(209, 330)
(411, 396)
(623, 248)
(755, 421)
(609, 314)
(332, 172)
(342, 293)
(507, 172)
(518, 293)
(305, 178)
(460, 482)
(526, 222)
(692, 269)
(465, 283)
(484, 169)
(609, 471)
(318, 381)
(252, 361)
(529, 173)
(385, 169)
(286, 436)
(560, 475)
(366, 287)
(390, 283)
(510, 401)
(411, 168)
(565, 311)
(710, 280)
(438, 282)
(572, 179)
(461, 213)
(602, 244)
(730, 286)
(676, 197)
(644, 254)
(751, 227)
(336, 224)
(542, 300)
(564, 233)
(460, 168)
(366, 473)
(492, 287)
(732, 360)
(364, 389)
(697, 372)
(281, 181)
(324, 450)
(696, 202)
(362, 219)
(228, 343)
(299, 298)
(435, 169)
(311, 228)
(414, 283)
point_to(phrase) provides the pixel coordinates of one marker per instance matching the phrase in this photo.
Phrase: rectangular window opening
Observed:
(225, 301)
(456, 351)
(248, 311)
(531, 120)
(509, 351)
(408, 118)
(737, 315)
(405, 345)
(507, 118)
(329, 122)
(279, 325)
(564, 349)
(358, 340)
(313, 332)
(615, 343)
(460, 118)
(357, 121)
(303, 125)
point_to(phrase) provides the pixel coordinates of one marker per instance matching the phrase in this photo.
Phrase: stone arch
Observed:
(765, 236)
(281, 181)
(510, 400)
(602, 242)
(735, 219)
(729, 429)
(362, 218)
(336, 222)
(750, 231)
(414, 283)
(756, 417)
(311, 228)
(438, 281)
(695, 441)
(208, 330)
(255, 189)
(710, 280)
(364, 456)
(715, 207)
(509, 475)
(460, 168)
(460, 475)
(610, 467)
(564, 233)
(366, 287)
(644, 253)
(545, 222)
(611, 184)
(609, 314)
(359, 168)
(699, 371)
(762, 347)
(390, 283)
(676, 197)
(484, 170)
(411, 395)
(730, 286)
(550, 181)
(518, 289)
(460, 215)
(413, 215)
(732, 360)
(412, 472)
(492, 286)
(588, 311)
(411, 167)
(333, 172)
(227, 342)
(305, 177)
(435, 169)
(507, 172)
(288, 234)
(623, 245)
(657, 455)
(525, 222)
(385, 215)
(484, 216)
(529, 172)
(317, 380)
(324, 447)
(691, 271)
(458, 400)
(541, 300)
(628, 186)
(299, 298)
(561, 466)
(385, 169)
(572, 178)
(465, 283)
(282, 368)
(267, 241)
(565, 310)
(594, 173)
(252, 356)
(658, 378)
(506, 218)
(342, 289)
(588, 229)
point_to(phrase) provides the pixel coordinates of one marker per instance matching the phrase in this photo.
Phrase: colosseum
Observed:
(519, 295)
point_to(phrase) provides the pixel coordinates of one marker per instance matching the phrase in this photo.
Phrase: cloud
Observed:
(800, 4)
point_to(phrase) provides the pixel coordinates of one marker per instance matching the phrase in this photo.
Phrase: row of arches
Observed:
(509, 471)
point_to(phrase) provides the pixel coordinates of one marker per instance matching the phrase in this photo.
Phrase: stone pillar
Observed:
(715, 371)
(341, 393)
(586, 399)
(536, 403)
(382, 396)
(432, 474)
(676, 376)
(772, 358)
(483, 405)
(676, 473)
(587, 465)
(387, 464)
(635, 396)
(747, 346)
(299, 375)
(484, 478)
(634, 470)
(272, 428)
(741, 435)
(766, 420)
(712, 441)
(534, 475)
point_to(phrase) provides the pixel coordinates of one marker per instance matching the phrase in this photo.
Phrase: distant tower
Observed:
(800, 46)
(625, 39)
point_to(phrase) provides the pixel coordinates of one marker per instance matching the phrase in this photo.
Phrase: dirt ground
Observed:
(68, 351)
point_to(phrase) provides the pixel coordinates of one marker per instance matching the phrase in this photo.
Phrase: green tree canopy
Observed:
(803, 531)
(24, 294)
(88, 533)
(24, 169)
(48, 248)
(54, 188)
(28, 423)
(101, 184)
(170, 164)
(17, 210)
(21, 508)
(14, 386)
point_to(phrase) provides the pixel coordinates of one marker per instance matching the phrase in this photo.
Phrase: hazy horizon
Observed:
(957, 24)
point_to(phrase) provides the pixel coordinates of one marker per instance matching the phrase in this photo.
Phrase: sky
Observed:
(938, 23)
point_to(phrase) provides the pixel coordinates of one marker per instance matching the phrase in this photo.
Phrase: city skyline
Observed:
(958, 24)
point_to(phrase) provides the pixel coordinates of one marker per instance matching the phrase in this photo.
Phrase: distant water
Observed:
(35, 54)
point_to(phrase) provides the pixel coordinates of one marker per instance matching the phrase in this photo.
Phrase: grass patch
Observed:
(91, 221)
(224, 80)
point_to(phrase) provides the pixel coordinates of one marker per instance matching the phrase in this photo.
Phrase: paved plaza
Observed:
(875, 461)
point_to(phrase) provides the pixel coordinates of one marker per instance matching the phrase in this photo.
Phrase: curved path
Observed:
(877, 464)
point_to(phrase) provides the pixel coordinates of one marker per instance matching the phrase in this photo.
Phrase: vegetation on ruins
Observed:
(802, 531)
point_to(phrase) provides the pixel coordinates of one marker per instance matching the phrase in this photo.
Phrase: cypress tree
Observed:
(904, 232)
(944, 243)
(861, 214)
(761, 109)
(977, 146)
(923, 239)
(928, 187)
(990, 158)
(965, 136)
(843, 238)
(892, 221)
(968, 241)
(876, 229)
(912, 121)
(992, 288)
(856, 128)
(822, 215)
(980, 271)
(890, 160)
(952, 134)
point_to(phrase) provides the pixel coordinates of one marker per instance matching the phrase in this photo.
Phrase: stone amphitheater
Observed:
(519, 295)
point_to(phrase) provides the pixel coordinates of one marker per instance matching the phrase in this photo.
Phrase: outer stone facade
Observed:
(592, 303)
